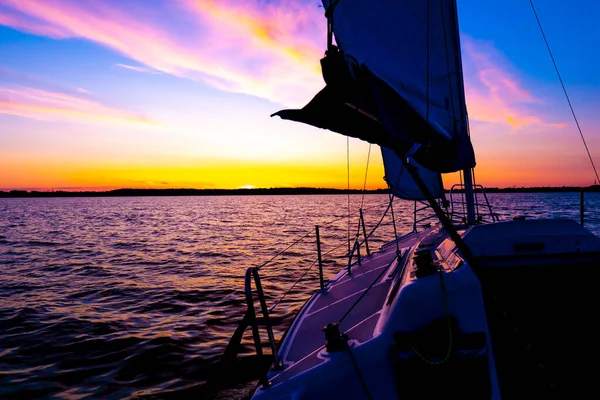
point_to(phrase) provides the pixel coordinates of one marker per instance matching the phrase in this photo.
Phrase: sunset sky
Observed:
(103, 94)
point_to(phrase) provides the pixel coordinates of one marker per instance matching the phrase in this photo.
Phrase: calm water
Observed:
(128, 297)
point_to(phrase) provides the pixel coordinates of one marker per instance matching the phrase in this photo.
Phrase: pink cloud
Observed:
(494, 95)
(55, 106)
(254, 47)
(23, 23)
(138, 69)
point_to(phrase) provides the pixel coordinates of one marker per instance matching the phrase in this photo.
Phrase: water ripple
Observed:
(129, 297)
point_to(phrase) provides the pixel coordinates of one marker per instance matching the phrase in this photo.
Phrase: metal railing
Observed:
(250, 317)
(457, 208)
(252, 278)
(430, 216)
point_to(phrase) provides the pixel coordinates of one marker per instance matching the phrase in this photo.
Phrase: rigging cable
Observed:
(366, 173)
(564, 89)
(391, 196)
(348, 169)
(475, 192)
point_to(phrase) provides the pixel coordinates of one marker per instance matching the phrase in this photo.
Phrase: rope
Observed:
(394, 223)
(564, 89)
(358, 373)
(381, 219)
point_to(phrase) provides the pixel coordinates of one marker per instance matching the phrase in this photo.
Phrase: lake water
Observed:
(138, 296)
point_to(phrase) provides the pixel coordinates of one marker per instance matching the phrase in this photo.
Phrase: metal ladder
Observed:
(250, 319)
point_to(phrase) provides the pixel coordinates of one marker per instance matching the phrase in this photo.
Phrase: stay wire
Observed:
(564, 89)
(348, 170)
(366, 174)
(394, 223)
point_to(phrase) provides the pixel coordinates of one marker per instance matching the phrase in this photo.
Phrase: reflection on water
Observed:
(124, 297)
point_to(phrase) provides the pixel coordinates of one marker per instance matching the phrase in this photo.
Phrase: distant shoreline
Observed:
(262, 192)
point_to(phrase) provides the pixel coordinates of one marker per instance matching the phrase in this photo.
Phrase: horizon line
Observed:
(266, 191)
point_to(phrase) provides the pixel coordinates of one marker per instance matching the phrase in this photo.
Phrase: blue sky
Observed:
(102, 94)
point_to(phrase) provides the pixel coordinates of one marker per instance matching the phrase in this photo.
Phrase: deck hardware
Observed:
(424, 264)
(322, 283)
(334, 340)
(362, 221)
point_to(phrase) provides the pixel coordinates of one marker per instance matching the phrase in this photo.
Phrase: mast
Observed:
(467, 172)
(469, 195)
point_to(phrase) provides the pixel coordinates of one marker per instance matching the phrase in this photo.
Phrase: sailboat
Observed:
(471, 307)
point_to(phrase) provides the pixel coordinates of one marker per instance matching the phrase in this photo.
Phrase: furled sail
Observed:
(395, 79)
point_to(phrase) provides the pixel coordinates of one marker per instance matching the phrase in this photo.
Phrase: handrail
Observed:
(252, 272)
(416, 210)
(307, 233)
(265, 312)
(250, 318)
(480, 217)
